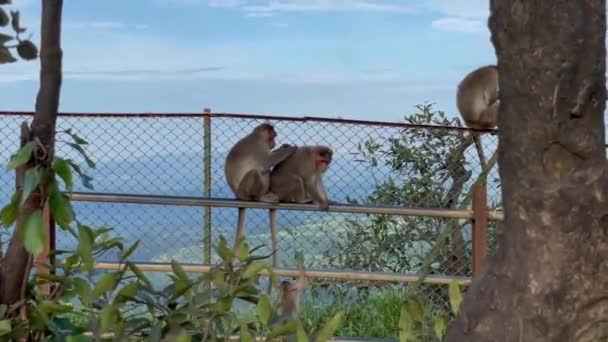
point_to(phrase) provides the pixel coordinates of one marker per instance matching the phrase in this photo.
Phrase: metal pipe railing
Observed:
(232, 203)
(310, 273)
(253, 116)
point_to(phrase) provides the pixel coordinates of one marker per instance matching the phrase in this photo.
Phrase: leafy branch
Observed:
(25, 48)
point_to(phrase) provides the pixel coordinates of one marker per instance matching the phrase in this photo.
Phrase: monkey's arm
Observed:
(280, 154)
(314, 186)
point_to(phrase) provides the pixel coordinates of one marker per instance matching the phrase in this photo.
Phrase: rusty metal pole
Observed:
(207, 184)
(480, 225)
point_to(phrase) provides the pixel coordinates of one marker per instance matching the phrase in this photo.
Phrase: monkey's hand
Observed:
(324, 205)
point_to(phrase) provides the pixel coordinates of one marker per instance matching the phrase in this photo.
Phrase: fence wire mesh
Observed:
(373, 164)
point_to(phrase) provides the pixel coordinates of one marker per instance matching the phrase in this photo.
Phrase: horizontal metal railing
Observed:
(232, 203)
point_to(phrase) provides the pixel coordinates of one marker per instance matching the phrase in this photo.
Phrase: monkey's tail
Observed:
(240, 228)
(479, 148)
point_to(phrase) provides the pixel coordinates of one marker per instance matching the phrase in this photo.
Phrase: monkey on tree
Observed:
(477, 102)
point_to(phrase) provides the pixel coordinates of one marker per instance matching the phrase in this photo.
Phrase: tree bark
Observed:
(548, 280)
(17, 262)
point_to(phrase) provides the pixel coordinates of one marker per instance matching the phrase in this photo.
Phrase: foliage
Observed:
(431, 171)
(86, 304)
(386, 311)
(25, 48)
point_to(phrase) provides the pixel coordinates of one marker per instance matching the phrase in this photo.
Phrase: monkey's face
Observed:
(322, 161)
(268, 134)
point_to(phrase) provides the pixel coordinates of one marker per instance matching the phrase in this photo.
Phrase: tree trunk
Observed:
(548, 280)
(17, 262)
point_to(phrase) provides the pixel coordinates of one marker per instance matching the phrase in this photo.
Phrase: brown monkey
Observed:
(298, 178)
(289, 302)
(478, 103)
(248, 165)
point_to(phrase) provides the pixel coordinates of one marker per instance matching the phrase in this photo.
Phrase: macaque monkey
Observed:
(248, 165)
(298, 178)
(477, 102)
(289, 302)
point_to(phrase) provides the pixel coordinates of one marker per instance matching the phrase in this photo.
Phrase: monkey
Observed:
(478, 103)
(298, 178)
(248, 165)
(289, 302)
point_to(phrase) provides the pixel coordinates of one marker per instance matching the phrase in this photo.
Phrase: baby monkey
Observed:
(478, 103)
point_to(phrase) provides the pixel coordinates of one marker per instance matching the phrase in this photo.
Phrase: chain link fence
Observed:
(375, 164)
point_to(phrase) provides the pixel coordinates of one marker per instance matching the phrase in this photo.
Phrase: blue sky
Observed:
(372, 59)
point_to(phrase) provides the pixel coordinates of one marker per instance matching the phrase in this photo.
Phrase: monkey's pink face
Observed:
(322, 162)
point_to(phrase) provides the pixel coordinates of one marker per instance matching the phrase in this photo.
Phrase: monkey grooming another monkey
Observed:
(477, 102)
(248, 165)
(299, 177)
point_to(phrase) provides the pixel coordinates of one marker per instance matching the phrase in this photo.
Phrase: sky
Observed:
(360, 59)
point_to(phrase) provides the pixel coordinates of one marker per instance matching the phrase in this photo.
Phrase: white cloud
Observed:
(459, 25)
(111, 25)
(259, 8)
(467, 16)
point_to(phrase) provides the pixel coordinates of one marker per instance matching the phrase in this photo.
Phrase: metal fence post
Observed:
(207, 183)
(480, 225)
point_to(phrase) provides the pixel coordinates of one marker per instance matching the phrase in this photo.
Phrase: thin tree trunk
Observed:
(548, 280)
(16, 264)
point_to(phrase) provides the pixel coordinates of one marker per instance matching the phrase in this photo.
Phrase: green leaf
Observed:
(129, 291)
(253, 269)
(83, 153)
(85, 245)
(405, 326)
(246, 335)
(78, 338)
(4, 20)
(108, 317)
(218, 278)
(155, 334)
(330, 327)
(85, 179)
(106, 283)
(48, 306)
(138, 273)
(5, 38)
(6, 56)
(183, 337)
(5, 327)
(415, 309)
(455, 296)
(24, 154)
(31, 182)
(34, 234)
(288, 327)
(243, 251)
(81, 287)
(264, 309)
(16, 22)
(27, 50)
(76, 138)
(9, 213)
(60, 205)
(62, 169)
(440, 326)
(223, 251)
(130, 251)
(178, 270)
(302, 336)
